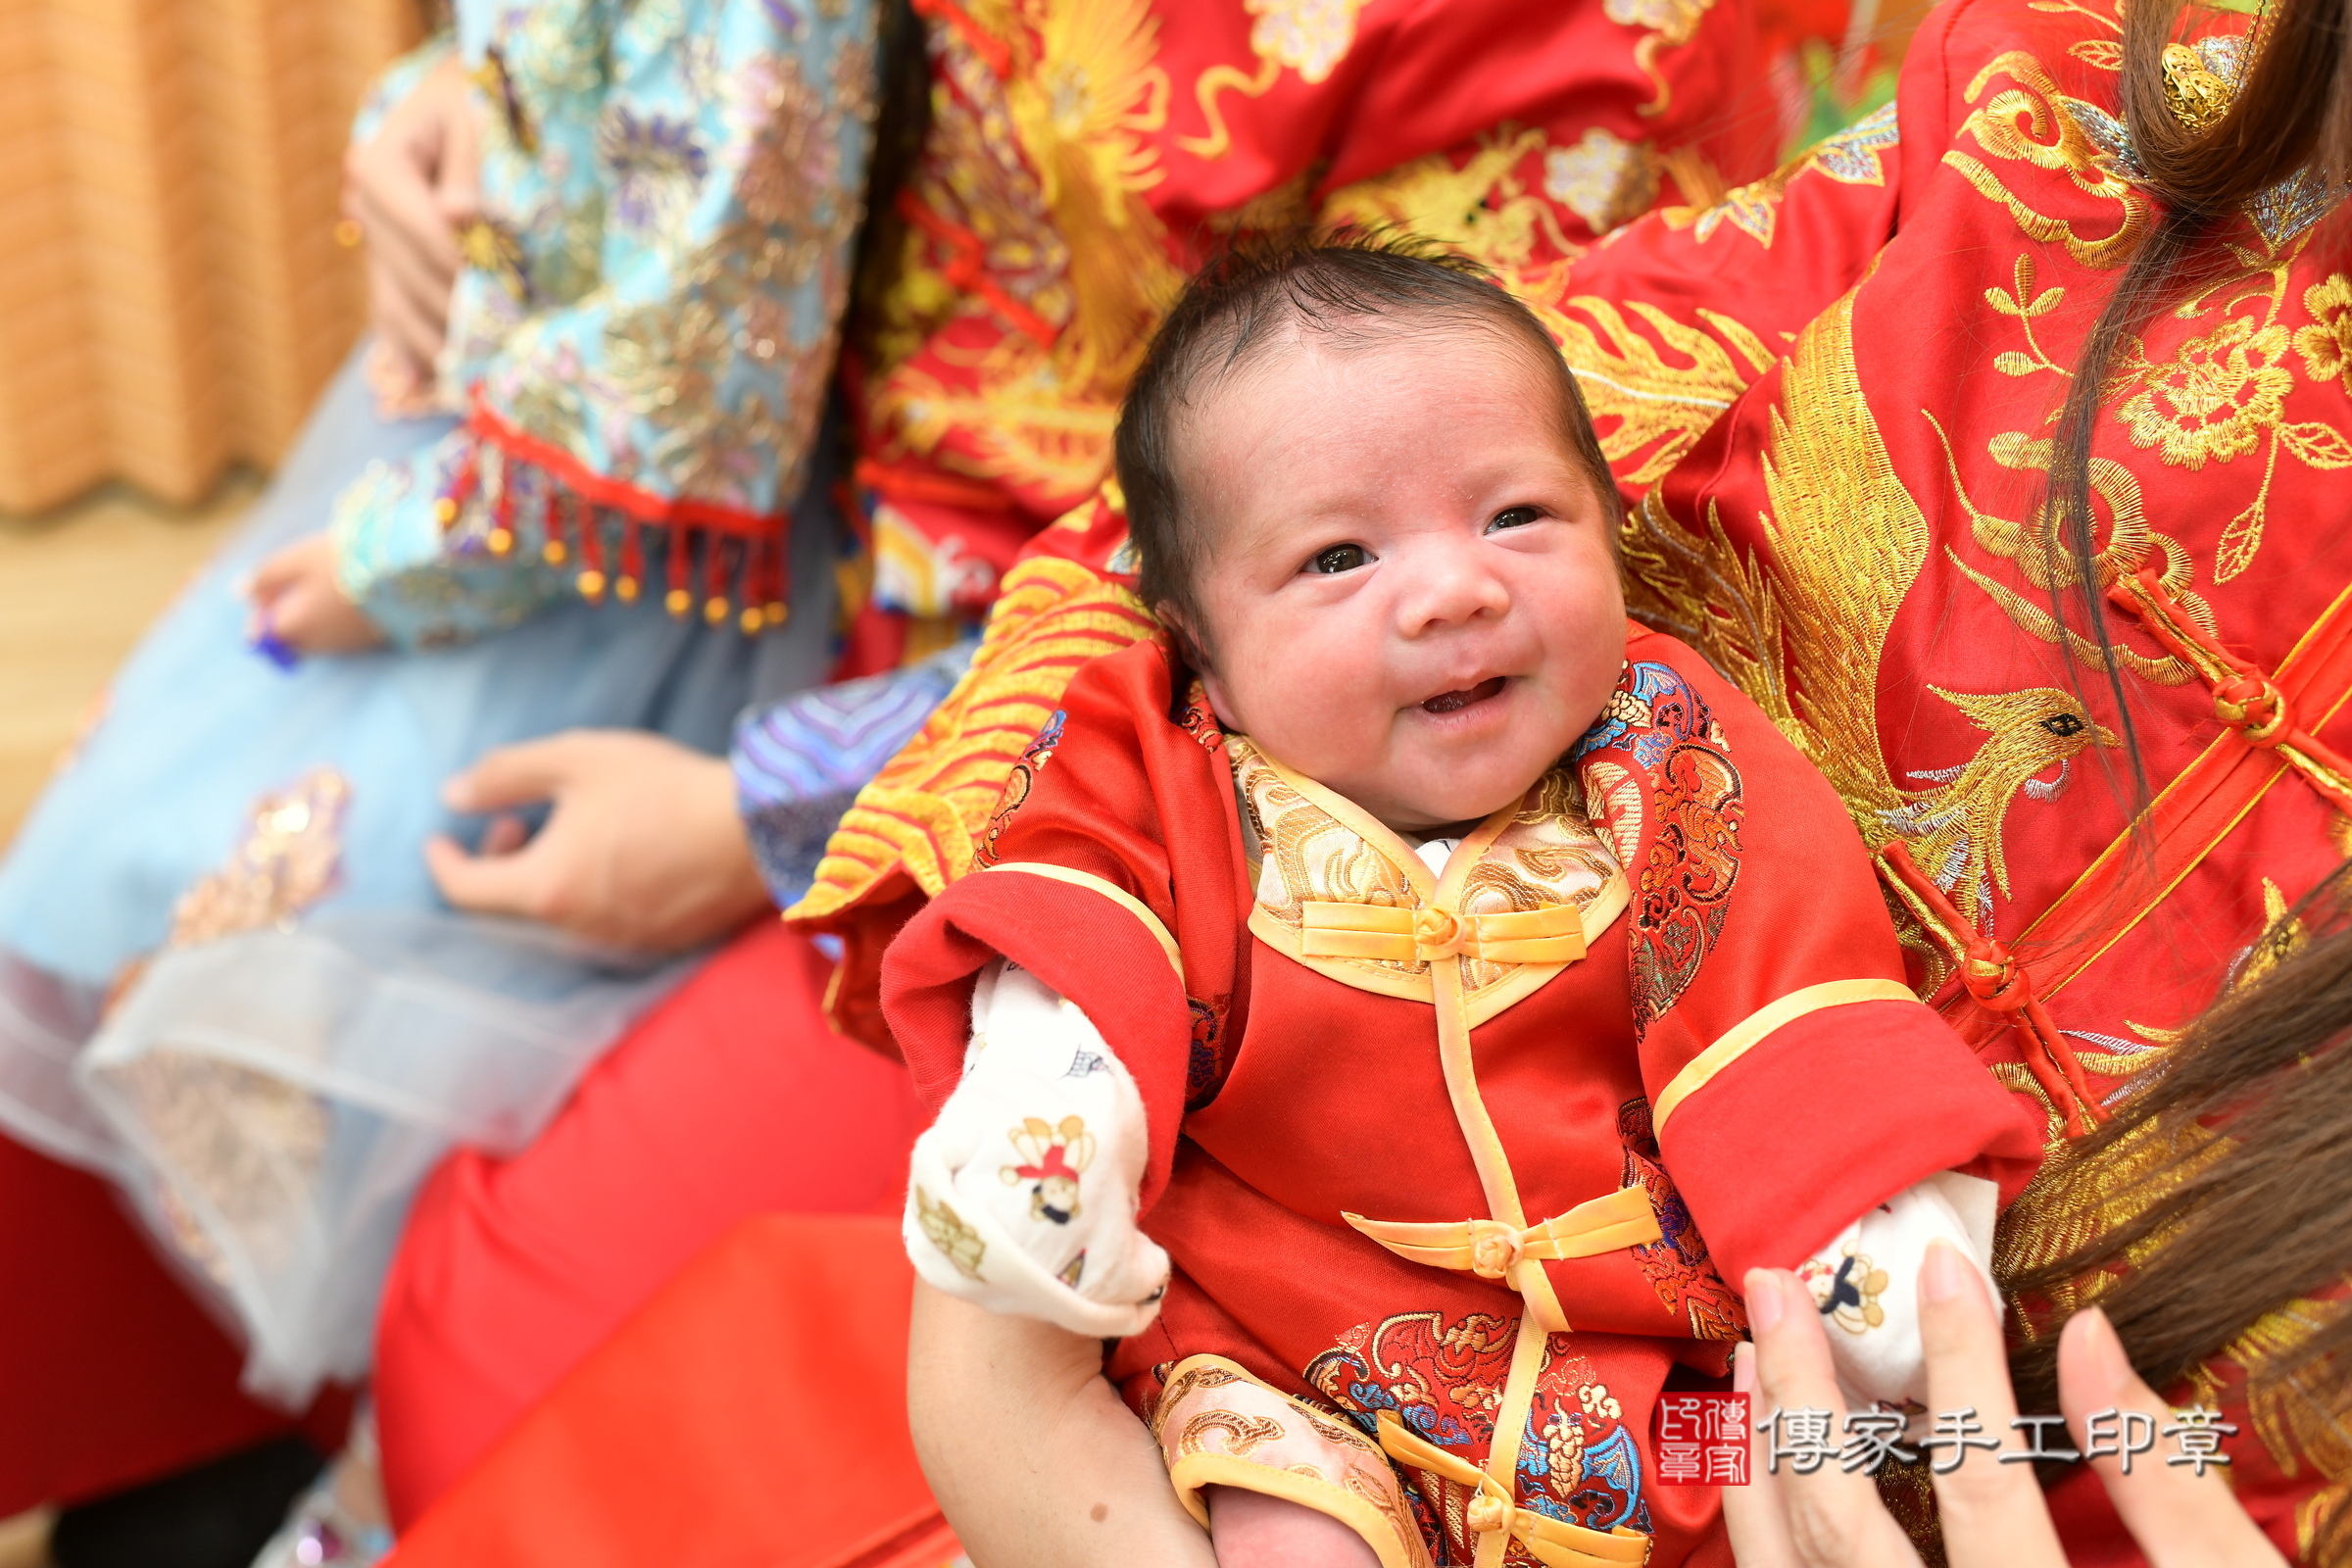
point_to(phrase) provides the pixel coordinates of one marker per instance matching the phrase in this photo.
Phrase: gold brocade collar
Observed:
(1516, 904)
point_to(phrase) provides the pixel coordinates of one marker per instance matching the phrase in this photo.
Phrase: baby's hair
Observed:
(1349, 288)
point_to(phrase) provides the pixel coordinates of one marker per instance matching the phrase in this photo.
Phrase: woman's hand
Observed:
(644, 848)
(298, 604)
(409, 190)
(1994, 1513)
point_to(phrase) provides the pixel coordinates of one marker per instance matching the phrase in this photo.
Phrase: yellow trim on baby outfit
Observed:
(1109, 890)
(1745, 1035)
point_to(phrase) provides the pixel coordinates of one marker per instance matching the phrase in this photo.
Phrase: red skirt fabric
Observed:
(733, 1099)
(110, 1373)
(752, 1415)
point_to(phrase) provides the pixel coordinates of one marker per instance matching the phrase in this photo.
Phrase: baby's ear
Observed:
(1179, 626)
(1214, 690)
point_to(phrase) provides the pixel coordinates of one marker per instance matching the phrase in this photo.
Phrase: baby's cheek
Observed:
(1310, 694)
(1592, 609)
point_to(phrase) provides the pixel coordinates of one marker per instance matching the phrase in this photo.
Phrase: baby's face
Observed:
(1409, 593)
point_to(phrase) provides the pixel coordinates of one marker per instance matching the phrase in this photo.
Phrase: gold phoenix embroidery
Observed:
(1640, 397)
(2048, 565)
(1803, 630)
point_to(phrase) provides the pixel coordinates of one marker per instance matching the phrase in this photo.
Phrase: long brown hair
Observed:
(2292, 113)
(2222, 1193)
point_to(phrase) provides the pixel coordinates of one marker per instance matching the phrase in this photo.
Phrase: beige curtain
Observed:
(172, 295)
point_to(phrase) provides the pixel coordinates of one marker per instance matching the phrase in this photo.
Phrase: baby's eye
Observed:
(1340, 558)
(1514, 517)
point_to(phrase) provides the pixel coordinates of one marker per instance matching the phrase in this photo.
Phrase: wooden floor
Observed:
(77, 588)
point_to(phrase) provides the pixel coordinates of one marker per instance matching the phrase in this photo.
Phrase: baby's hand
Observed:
(1252, 1530)
(299, 606)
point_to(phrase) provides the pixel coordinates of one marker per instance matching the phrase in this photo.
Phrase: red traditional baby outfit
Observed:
(1433, 1152)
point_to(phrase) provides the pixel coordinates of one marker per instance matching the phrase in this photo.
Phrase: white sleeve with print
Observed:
(1865, 1283)
(1023, 1193)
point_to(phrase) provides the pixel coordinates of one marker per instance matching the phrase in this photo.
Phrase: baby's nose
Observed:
(1451, 588)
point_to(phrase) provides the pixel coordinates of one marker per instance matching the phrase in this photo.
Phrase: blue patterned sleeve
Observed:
(647, 316)
(800, 764)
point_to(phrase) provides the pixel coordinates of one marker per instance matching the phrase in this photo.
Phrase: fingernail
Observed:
(1764, 1304)
(1940, 1275)
(1743, 1368)
(454, 793)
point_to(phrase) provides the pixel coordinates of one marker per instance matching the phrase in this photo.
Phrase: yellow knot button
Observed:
(1437, 933)
(1495, 1248)
(1489, 1513)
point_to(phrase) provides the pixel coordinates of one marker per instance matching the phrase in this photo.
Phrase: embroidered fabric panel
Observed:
(394, 560)
(1851, 488)
(292, 856)
(1217, 1425)
(1579, 1460)
(653, 293)
(1548, 855)
(1677, 1265)
(1684, 881)
(800, 764)
(927, 811)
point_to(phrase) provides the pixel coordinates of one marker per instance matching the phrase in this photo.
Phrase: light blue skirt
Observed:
(269, 1102)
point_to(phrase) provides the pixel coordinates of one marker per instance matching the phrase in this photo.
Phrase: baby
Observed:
(1456, 982)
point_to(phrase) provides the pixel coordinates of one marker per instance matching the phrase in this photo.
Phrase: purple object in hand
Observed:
(275, 649)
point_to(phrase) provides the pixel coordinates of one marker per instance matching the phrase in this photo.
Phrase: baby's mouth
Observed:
(1454, 702)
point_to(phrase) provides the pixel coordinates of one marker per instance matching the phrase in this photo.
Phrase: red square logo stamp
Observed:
(1703, 1440)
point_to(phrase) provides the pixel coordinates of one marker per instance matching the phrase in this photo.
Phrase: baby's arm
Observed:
(1256, 1530)
(1034, 1459)
(1864, 1282)
(1028, 1449)
(1021, 1222)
